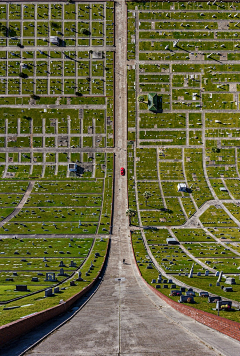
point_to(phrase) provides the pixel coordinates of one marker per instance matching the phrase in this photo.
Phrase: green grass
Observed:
(38, 303)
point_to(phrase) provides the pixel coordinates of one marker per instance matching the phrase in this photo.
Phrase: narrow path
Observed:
(20, 205)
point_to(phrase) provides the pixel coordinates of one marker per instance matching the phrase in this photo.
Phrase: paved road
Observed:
(124, 317)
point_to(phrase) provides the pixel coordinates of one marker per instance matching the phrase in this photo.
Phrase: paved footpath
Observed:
(124, 317)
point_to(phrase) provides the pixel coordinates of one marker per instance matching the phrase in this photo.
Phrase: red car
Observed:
(122, 171)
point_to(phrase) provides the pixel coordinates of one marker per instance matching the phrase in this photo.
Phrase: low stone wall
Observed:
(22, 326)
(223, 325)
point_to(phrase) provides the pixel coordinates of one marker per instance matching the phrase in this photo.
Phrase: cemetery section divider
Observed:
(223, 325)
(20, 327)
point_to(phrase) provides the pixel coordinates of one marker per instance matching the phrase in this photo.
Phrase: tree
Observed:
(215, 149)
(84, 31)
(147, 195)
(27, 118)
(34, 96)
(54, 24)
(22, 75)
(130, 213)
(141, 98)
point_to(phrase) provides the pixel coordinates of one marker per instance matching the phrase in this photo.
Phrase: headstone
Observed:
(21, 288)
(217, 284)
(61, 264)
(217, 274)
(213, 299)
(173, 286)
(228, 289)
(149, 267)
(206, 273)
(165, 286)
(182, 289)
(220, 277)
(34, 279)
(203, 294)
(56, 290)
(15, 274)
(79, 276)
(50, 277)
(230, 280)
(199, 274)
(190, 293)
(191, 272)
(97, 254)
(72, 283)
(224, 304)
(48, 292)
(175, 293)
(9, 279)
(186, 299)
(61, 272)
(170, 281)
(72, 264)
(158, 286)
(153, 281)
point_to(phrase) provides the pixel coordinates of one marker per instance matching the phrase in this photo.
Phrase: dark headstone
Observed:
(21, 288)
(213, 299)
(190, 293)
(48, 292)
(228, 289)
(203, 294)
(186, 299)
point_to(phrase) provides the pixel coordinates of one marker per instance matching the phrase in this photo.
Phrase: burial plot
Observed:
(50, 277)
(186, 299)
(204, 294)
(48, 292)
(214, 299)
(21, 288)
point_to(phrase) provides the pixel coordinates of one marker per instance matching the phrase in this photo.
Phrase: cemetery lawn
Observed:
(38, 302)
(143, 260)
